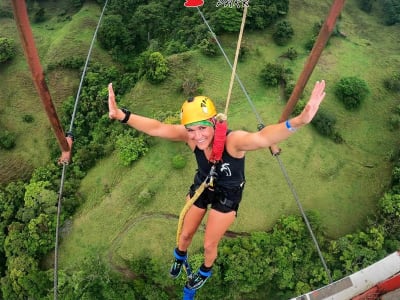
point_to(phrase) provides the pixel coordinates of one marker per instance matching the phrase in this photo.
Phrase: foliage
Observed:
(228, 19)
(324, 123)
(209, 47)
(94, 280)
(365, 5)
(130, 148)
(357, 251)
(274, 74)
(391, 11)
(28, 118)
(7, 49)
(283, 33)
(156, 67)
(291, 53)
(74, 63)
(112, 33)
(351, 91)
(262, 14)
(393, 82)
(178, 162)
(7, 140)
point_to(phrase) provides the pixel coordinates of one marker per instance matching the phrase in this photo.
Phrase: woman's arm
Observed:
(272, 134)
(149, 126)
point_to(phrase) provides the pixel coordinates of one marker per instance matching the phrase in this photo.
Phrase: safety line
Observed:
(238, 46)
(230, 65)
(261, 125)
(65, 164)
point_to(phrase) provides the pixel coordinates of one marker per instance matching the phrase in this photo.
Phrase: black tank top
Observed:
(230, 170)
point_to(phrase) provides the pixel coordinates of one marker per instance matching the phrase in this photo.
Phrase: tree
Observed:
(228, 19)
(391, 12)
(263, 13)
(130, 149)
(351, 91)
(7, 139)
(365, 5)
(7, 49)
(112, 33)
(283, 33)
(24, 280)
(156, 67)
(149, 21)
(274, 74)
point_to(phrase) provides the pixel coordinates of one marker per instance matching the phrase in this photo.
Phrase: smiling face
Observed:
(201, 135)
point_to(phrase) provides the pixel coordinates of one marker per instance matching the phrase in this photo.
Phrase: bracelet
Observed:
(127, 115)
(289, 127)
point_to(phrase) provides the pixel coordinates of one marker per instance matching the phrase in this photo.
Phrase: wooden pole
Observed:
(32, 57)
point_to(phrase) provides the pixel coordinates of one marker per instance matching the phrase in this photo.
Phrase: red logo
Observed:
(194, 3)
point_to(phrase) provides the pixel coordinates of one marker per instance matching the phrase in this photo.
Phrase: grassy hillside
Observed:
(341, 182)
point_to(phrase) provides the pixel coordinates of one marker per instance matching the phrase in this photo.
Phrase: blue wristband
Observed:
(289, 127)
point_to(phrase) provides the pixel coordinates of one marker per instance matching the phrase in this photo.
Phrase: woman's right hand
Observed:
(113, 111)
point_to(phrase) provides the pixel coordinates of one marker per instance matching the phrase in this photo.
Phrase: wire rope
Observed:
(65, 164)
(275, 155)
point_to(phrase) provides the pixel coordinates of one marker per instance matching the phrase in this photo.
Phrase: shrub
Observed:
(394, 122)
(274, 74)
(209, 47)
(28, 118)
(283, 33)
(324, 123)
(7, 140)
(7, 49)
(178, 162)
(130, 149)
(393, 83)
(290, 53)
(157, 67)
(351, 91)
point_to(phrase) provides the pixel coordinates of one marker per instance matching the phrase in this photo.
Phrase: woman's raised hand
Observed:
(113, 111)
(312, 106)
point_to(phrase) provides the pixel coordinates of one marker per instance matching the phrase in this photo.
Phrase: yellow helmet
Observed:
(197, 109)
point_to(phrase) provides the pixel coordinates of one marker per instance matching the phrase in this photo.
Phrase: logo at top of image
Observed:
(194, 3)
(233, 3)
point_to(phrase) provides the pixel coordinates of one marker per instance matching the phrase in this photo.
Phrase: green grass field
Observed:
(340, 182)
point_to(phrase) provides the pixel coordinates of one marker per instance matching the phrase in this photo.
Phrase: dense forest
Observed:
(140, 36)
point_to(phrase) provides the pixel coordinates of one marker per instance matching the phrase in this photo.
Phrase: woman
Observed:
(197, 131)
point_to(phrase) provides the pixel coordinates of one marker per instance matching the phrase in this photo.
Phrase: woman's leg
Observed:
(217, 224)
(191, 223)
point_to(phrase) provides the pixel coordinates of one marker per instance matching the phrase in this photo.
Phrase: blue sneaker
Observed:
(198, 280)
(176, 267)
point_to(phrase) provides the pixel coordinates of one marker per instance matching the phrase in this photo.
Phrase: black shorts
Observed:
(221, 199)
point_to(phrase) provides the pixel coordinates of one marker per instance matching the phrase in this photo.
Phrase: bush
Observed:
(324, 123)
(178, 162)
(351, 91)
(156, 67)
(7, 140)
(290, 53)
(209, 47)
(7, 49)
(274, 74)
(393, 83)
(365, 5)
(130, 149)
(28, 118)
(283, 33)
